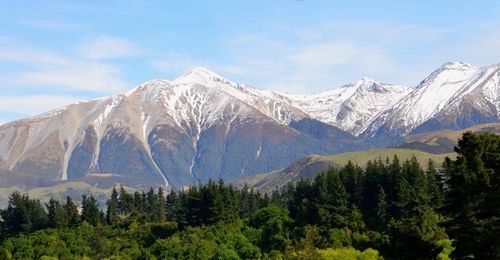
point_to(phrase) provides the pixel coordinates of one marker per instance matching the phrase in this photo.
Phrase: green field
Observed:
(267, 182)
(362, 157)
(60, 191)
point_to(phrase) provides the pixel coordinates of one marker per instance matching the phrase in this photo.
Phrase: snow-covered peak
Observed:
(366, 84)
(440, 91)
(202, 76)
(448, 73)
(365, 81)
(456, 65)
(350, 107)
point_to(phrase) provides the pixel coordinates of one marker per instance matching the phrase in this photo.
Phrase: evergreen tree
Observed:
(90, 210)
(71, 211)
(162, 212)
(352, 176)
(23, 215)
(382, 208)
(435, 188)
(56, 214)
(403, 197)
(418, 181)
(152, 205)
(331, 201)
(138, 202)
(473, 196)
(112, 211)
(125, 201)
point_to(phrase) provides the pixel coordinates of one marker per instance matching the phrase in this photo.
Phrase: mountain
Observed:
(351, 107)
(181, 132)
(202, 126)
(455, 96)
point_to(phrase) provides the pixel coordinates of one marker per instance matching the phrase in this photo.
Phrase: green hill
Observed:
(307, 167)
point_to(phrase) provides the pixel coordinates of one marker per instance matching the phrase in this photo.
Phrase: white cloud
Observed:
(176, 63)
(328, 54)
(82, 76)
(108, 47)
(31, 56)
(315, 59)
(35, 104)
(49, 69)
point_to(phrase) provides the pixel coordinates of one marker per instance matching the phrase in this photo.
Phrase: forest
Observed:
(388, 209)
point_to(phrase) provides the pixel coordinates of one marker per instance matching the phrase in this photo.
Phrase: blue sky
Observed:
(57, 52)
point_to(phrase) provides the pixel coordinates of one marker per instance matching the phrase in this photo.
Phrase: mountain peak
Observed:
(200, 75)
(456, 65)
(364, 81)
(367, 84)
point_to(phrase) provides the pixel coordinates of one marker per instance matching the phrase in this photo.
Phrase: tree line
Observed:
(389, 208)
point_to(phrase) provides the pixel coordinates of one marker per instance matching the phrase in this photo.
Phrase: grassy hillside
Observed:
(60, 191)
(362, 157)
(444, 141)
(309, 166)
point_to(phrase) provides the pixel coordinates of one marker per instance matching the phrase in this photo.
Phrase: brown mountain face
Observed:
(173, 133)
(202, 126)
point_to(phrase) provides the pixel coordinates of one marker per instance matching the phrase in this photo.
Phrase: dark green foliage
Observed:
(90, 210)
(382, 206)
(162, 211)
(395, 207)
(22, 215)
(56, 214)
(473, 196)
(275, 225)
(112, 211)
(71, 211)
(435, 186)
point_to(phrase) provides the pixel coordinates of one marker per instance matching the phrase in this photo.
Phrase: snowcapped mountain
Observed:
(351, 107)
(181, 132)
(202, 126)
(455, 96)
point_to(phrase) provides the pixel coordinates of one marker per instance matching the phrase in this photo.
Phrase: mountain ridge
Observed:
(203, 126)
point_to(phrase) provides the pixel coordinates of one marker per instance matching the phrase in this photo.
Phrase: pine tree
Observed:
(112, 211)
(125, 201)
(382, 208)
(418, 182)
(152, 205)
(162, 212)
(56, 214)
(71, 211)
(335, 200)
(402, 206)
(90, 210)
(472, 199)
(352, 176)
(23, 214)
(435, 188)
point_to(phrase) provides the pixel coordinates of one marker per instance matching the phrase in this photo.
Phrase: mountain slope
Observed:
(455, 96)
(182, 132)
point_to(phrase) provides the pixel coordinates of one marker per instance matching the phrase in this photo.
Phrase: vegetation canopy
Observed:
(389, 209)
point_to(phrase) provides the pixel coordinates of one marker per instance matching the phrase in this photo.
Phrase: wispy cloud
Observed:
(34, 104)
(90, 76)
(43, 68)
(108, 47)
